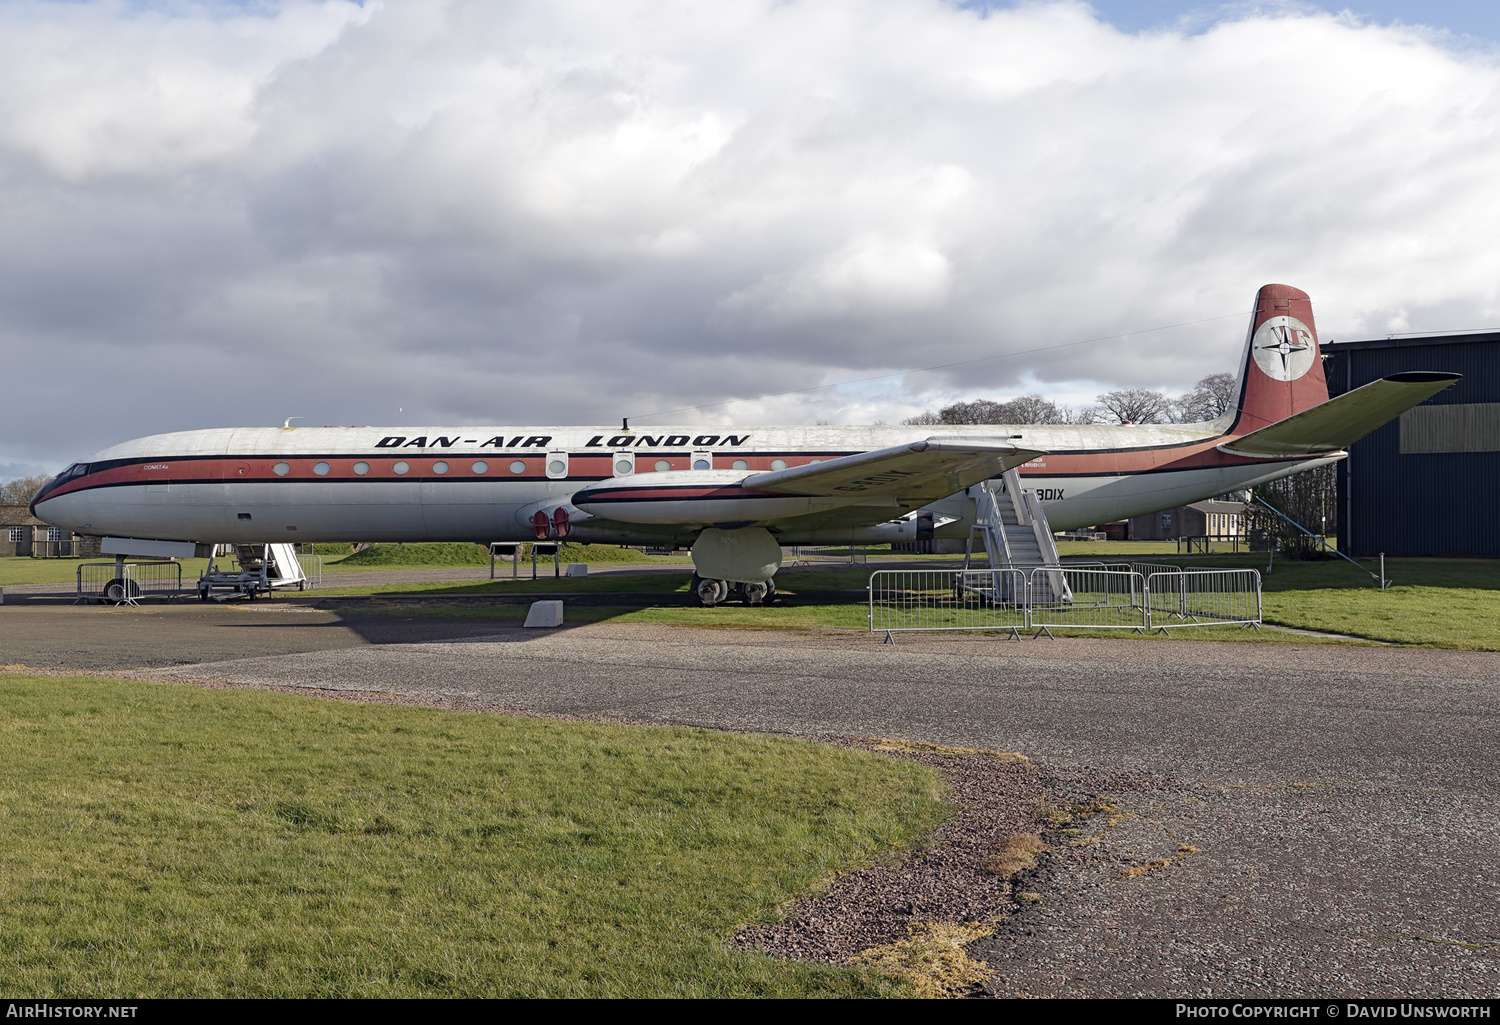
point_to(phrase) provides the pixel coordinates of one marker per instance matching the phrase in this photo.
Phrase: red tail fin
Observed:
(1282, 372)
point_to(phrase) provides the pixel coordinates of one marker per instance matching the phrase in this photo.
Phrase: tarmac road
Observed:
(1341, 800)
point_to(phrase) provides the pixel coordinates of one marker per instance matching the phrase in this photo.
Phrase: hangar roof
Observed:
(1404, 341)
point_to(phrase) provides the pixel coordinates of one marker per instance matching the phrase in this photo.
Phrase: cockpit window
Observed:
(76, 470)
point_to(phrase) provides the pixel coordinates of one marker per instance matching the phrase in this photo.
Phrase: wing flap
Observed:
(1339, 422)
(921, 470)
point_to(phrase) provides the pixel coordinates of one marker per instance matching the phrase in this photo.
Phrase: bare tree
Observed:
(1309, 498)
(1033, 409)
(979, 411)
(1134, 406)
(1210, 399)
(1028, 409)
(22, 490)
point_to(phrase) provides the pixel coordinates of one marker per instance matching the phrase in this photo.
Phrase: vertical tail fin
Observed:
(1282, 370)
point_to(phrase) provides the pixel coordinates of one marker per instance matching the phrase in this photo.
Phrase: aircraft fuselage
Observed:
(252, 485)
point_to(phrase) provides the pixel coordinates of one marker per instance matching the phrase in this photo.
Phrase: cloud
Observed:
(869, 277)
(571, 211)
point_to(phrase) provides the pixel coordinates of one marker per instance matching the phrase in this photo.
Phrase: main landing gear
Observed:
(738, 563)
(710, 592)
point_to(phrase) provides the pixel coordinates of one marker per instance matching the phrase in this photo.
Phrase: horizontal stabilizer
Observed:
(1338, 423)
(918, 471)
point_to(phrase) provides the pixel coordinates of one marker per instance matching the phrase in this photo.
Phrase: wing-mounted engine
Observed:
(553, 519)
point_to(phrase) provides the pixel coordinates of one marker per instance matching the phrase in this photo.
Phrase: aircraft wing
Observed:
(921, 471)
(1338, 423)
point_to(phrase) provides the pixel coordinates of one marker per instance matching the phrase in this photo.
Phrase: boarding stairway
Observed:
(1016, 536)
(256, 569)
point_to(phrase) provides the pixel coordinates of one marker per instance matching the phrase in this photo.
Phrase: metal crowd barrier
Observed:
(1207, 544)
(1061, 597)
(1096, 599)
(107, 582)
(1204, 597)
(947, 599)
(819, 555)
(1145, 569)
(312, 569)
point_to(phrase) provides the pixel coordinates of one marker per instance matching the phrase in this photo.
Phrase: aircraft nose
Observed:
(39, 496)
(46, 489)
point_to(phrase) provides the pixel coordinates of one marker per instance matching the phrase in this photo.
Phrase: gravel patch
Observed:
(945, 882)
(1084, 826)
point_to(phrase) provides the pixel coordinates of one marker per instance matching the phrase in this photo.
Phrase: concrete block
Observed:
(545, 613)
(576, 569)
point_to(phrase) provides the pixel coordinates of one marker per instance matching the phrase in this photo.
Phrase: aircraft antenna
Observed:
(286, 424)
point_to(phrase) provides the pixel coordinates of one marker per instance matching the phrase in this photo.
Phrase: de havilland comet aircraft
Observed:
(734, 495)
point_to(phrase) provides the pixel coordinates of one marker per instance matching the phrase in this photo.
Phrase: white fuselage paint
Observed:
(212, 485)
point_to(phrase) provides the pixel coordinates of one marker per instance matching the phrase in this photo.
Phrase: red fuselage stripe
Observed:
(584, 468)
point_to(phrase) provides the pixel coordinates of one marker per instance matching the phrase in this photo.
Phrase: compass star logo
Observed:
(1283, 348)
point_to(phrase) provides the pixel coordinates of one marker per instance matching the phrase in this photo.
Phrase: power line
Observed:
(940, 366)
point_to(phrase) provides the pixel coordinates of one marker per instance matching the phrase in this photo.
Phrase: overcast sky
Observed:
(569, 211)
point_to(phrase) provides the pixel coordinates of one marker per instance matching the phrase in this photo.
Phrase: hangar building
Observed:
(1427, 483)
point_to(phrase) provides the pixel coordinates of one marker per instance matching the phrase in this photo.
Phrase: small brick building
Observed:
(23, 534)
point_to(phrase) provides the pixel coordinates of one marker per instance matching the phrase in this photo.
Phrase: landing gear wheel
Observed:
(709, 591)
(755, 593)
(118, 590)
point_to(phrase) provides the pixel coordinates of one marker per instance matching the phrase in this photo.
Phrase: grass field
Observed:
(163, 840)
(812, 616)
(26, 570)
(444, 555)
(378, 558)
(1450, 604)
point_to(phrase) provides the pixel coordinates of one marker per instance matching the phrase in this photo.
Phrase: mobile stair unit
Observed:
(1017, 536)
(253, 570)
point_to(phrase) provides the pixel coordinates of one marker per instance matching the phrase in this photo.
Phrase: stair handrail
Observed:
(1011, 480)
(1043, 530)
(992, 524)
